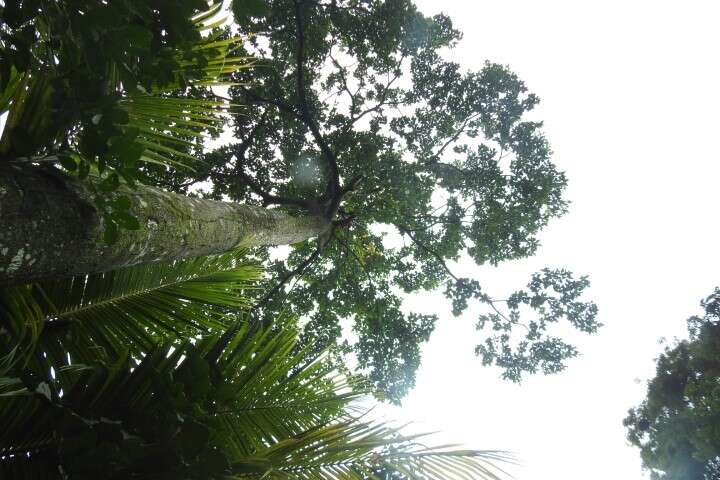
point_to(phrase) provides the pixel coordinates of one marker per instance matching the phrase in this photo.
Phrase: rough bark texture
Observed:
(49, 227)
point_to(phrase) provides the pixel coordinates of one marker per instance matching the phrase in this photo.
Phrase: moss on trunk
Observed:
(49, 227)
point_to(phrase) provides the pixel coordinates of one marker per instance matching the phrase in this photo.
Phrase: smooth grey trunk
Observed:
(50, 228)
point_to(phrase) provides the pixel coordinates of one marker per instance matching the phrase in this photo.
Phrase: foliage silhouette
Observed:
(354, 113)
(676, 426)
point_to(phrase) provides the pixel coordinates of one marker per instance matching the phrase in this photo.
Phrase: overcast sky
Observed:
(630, 98)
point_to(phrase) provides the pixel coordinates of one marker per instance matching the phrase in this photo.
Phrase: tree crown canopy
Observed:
(353, 113)
(676, 426)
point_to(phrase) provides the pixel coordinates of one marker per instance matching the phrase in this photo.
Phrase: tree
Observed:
(402, 151)
(353, 112)
(52, 227)
(676, 426)
(110, 384)
(111, 91)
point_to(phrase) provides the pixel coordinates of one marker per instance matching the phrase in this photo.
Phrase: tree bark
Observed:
(50, 228)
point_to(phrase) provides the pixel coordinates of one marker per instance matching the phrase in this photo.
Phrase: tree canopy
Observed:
(106, 370)
(352, 112)
(677, 427)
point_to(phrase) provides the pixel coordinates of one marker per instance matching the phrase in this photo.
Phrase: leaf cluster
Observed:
(101, 87)
(357, 97)
(676, 426)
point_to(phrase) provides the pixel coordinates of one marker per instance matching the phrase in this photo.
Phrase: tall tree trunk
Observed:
(50, 228)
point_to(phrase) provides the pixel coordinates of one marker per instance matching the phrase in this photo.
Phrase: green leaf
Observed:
(110, 234)
(69, 162)
(193, 438)
(243, 9)
(122, 202)
(93, 142)
(194, 373)
(126, 149)
(126, 220)
(110, 183)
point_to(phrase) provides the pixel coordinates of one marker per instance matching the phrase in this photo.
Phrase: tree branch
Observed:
(296, 271)
(427, 249)
(358, 260)
(485, 299)
(345, 86)
(381, 103)
(333, 187)
(282, 106)
(435, 157)
(267, 198)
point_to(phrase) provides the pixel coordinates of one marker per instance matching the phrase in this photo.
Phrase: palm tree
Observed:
(126, 388)
(104, 90)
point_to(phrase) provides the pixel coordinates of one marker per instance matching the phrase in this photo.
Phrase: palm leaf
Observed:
(354, 449)
(9, 95)
(27, 98)
(280, 425)
(273, 389)
(133, 308)
(208, 15)
(175, 393)
(165, 127)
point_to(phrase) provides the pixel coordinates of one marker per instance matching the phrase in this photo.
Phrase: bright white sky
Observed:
(630, 98)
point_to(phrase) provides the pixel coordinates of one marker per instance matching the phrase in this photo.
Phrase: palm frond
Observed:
(24, 421)
(15, 85)
(201, 19)
(133, 308)
(26, 98)
(292, 417)
(354, 449)
(159, 123)
(176, 410)
(167, 125)
(272, 389)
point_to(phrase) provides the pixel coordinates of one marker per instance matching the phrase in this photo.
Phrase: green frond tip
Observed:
(132, 307)
(213, 9)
